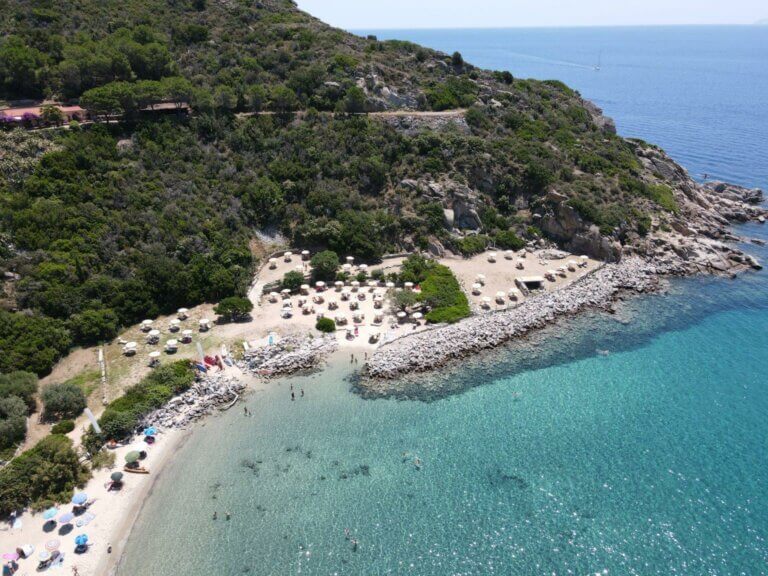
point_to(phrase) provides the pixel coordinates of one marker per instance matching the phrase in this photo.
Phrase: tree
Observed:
(404, 299)
(63, 401)
(292, 281)
(13, 421)
(234, 308)
(354, 101)
(325, 265)
(325, 325)
(283, 100)
(94, 326)
(51, 115)
(19, 384)
(47, 473)
(457, 60)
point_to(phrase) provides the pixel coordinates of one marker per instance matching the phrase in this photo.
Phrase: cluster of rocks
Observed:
(208, 393)
(422, 352)
(291, 354)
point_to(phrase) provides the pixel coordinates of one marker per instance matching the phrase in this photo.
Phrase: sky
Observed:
(403, 14)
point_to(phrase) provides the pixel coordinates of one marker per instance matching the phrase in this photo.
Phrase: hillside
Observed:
(108, 224)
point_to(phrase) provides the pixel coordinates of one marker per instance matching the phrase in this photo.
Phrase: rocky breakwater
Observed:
(289, 355)
(438, 347)
(208, 393)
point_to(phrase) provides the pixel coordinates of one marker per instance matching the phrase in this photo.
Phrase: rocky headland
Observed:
(696, 239)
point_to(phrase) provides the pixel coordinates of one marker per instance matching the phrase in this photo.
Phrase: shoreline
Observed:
(422, 353)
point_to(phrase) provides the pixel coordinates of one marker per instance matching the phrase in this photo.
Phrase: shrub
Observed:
(325, 325)
(325, 265)
(234, 308)
(292, 281)
(47, 473)
(508, 240)
(63, 427)
(471, 245)
(63, 401)
(103, 459)
(20, 384)
(443, 294)
(94, 326)
(13, 421)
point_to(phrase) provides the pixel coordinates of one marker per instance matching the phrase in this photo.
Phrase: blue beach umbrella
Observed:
(81, 540)
(80, 498)
(50, 513)
(66, 518)
(151, 431)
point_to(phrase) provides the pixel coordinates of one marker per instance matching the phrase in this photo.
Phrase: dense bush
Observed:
(31, 342)
(234, 308)
(39, 477)
(20, 384)
(63, 427)
(13, 421)
(326, 325)
(441, 291)
(325, 265)
(508, 240)
(94, 326)
(292, 281)
(63, 401)
(471, 245)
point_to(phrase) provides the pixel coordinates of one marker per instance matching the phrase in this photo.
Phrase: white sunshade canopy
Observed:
(187, 333)
(154, 332)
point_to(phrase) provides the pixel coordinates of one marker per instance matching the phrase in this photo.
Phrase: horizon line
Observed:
(569, 26)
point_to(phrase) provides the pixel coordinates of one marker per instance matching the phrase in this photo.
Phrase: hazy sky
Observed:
(370, 14)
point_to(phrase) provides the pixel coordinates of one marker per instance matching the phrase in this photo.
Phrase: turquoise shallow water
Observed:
(627, 444)
(647, 460)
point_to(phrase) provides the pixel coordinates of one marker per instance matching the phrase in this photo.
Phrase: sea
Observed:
(626, 444)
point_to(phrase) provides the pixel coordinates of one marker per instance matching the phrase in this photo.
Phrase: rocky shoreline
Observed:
(288, 355)
(218, 390)
(430, 350)
(209, 393)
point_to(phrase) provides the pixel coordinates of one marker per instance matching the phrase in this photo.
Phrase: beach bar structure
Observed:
(530, 282)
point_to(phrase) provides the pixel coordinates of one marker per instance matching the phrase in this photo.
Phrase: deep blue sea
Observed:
(630, 444)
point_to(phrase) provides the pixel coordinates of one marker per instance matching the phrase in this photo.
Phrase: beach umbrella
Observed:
(81, 539)
(151, 431)
(80, 498)
(10, 556)
(66, 518)
(52, 545)
(50, 513)
(132, 457)
(116, 476)
(44, 555)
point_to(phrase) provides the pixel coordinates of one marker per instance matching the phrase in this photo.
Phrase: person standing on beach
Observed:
(293, 396)
(302, 392)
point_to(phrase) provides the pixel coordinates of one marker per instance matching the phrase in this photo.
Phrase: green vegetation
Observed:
(440, 290)
(39, 477)
(13, 421)
(17, 401)
(471, 245)
(63, 401)
(292, 281)
(234, 308)
(325, 265)
(110, 224)
(63, 427)
(325, 325)
(122, 416)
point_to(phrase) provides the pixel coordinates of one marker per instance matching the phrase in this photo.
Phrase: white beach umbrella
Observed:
(350, 259)
(390, 285)
(418, 316)
(408, 285)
